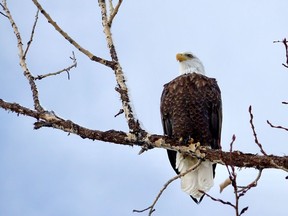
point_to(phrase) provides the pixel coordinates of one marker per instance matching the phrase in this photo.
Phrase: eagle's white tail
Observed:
(199, 179)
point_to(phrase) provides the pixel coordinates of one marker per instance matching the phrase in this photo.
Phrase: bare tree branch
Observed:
(277, 126)
(165, 186)
(32, 34)
(136, 135)
(23, 64)
(113, 11)
(73, 58)
(133, 123)
(219, 200)
(86, 52)
(239, 191)
(235, 158)
(254, 132)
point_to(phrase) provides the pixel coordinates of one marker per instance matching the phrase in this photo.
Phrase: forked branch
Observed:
(23, 64)
(113, 11)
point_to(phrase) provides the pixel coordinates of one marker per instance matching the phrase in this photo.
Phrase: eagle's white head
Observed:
(189, 63)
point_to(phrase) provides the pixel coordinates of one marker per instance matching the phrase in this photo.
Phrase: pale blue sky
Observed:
(46, 172)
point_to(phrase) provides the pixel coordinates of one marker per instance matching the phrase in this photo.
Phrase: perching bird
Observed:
(191, 107)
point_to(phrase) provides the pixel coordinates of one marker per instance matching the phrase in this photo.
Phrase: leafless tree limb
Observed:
(32, 34)
(254, 132)
(285, 42)
(277, 126)
(67, 69)
(239, 191)
(165, 186)
(136, 135)
(23, 64)
(218, 200)
(235, 158)
(133, 123)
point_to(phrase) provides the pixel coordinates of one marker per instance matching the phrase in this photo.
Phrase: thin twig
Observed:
(23, 64)
(233, 177)
(285, 42)
(234, 184)
(278, 126)
(254, 132)
(39, 77)
(219, 200)
(113, 12)
(232, 142)
(239, 191)
(105, 62)
(3, 14)
(4, 10)
(32, 34)
(165, 186)
(244, 189)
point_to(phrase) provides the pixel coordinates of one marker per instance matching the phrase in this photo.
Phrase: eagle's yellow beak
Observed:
(181, 57)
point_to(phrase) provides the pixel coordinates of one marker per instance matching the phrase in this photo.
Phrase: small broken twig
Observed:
(119, 113)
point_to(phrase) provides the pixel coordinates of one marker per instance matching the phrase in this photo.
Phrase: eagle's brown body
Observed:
(191, 108)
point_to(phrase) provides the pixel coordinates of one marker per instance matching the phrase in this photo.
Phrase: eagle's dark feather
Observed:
(191, 108)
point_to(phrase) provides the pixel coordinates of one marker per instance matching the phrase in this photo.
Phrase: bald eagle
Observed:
(191, 107)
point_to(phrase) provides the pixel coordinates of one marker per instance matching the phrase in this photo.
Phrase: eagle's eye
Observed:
(189, 55)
